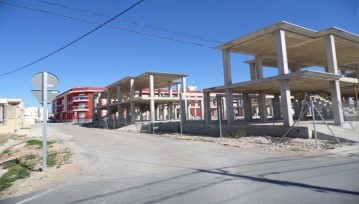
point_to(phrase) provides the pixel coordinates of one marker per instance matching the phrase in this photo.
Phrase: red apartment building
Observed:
(74, 105)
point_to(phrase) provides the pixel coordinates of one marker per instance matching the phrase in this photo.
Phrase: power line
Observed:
(74, 41)
(136, 23)
(110, 26)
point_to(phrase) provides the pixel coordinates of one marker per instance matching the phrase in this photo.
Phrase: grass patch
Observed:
(51, 159)
(10, 164)
(14, 173)
(67, 155)
(30, 156)
(38, 143)
(328, 145)
(6, 151)
(236, 135)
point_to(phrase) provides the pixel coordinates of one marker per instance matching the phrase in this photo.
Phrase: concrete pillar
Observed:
(170, 109)
(247, 107)
(119, 99)
(157, 112)
(286, 106)
(252, 70)
(262, 107)
(259, 67)
(170, 90)
(228, 80)
(276, 107)
(207, 107)
(202, 109)
(178, 90)
(184, 97)
(152, 98)
(108, 105)
(219, 107)
(132, 103)
(281, 52)
(334, 85)
(183, 108)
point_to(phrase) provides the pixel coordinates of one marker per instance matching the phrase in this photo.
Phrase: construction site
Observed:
(315, 86)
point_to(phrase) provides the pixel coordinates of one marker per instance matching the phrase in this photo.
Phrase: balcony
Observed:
(80, 98)
(80, 108)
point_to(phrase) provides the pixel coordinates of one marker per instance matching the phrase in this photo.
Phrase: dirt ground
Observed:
(38, 180)
(61, 173)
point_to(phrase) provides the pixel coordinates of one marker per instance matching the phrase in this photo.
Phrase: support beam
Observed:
(152, 99)
(132, 103)
(227, 72)
(252, 70)
(229, 107)
(334, 85)
(119, 99)
(259, 68)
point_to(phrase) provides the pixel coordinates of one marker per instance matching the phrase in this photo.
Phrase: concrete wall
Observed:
(230, 130)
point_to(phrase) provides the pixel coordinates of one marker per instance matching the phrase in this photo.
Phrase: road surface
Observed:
(144, 168)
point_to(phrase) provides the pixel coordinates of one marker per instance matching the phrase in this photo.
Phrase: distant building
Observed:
(74, 105)
(33, 114)
(11, 115)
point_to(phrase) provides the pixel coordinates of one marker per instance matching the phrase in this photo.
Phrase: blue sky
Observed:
(111, 54)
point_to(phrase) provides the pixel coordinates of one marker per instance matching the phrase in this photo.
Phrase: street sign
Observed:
(37, 80)
(44, 81)
(51, 95)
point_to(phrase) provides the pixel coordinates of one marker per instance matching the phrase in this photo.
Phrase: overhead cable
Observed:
(72, 42)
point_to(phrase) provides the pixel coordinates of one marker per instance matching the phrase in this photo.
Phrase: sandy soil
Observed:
(38, 180)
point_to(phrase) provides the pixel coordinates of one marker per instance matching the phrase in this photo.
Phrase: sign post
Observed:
(45, 95)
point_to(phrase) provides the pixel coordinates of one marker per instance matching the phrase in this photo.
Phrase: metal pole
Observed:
(220, 122)
(315, 131)
(327, 126)
(181, 118)
(44, 121)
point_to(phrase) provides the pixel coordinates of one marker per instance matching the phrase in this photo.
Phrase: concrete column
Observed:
(227, 67)
(259, 68)
(286, 105)
(229, 107)
(247, 107)
(228, 80)
(158, 112)
(219, 106)
(183, 108)
(178, 91)
(132, 103)
(276, 107)
(262, 107)
(108, 105)
(165, 112)
(202, 109)
(152, 99)
(170, 107)
(252, 70)
(207, 107)
(184, 97)
(119, 99)
(334, 85)
(170, 90)
(281, 52)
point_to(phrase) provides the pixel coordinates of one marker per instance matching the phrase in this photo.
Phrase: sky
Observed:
(168, 36)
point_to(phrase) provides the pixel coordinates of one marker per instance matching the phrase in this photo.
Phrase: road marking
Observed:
(36, 196)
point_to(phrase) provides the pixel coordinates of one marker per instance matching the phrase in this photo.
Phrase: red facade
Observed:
(75, 105)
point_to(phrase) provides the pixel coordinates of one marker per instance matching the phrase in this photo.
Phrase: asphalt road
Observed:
(144, 168)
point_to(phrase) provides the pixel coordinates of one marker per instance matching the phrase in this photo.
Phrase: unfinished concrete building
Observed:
(151, 96)
(11, 115)
(293, 50)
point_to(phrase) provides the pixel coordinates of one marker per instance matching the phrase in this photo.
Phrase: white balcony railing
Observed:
(80, 108)
(80, 98)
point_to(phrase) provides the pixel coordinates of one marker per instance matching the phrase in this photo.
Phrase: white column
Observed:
(170, 90)
(286, 106)
(228, 80)
(202, 109)
(108, 105)
(334, 85)
(152, 98)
